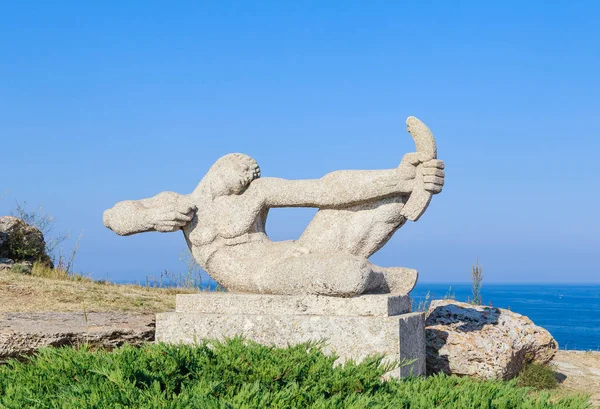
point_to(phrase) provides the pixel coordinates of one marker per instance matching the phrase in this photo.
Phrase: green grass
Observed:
(240, 374)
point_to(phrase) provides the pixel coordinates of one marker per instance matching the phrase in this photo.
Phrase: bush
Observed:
(21, 269)
(239, 374)
(20, 246)
(539, 376)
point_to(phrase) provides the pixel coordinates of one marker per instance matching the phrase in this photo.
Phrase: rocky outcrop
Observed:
(483, 342)
(24, 333)
(21, 243)
(6, 263)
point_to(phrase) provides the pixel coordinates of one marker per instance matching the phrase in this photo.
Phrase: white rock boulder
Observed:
(483, 342)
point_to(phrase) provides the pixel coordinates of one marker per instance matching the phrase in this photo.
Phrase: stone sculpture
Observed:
(223, 221)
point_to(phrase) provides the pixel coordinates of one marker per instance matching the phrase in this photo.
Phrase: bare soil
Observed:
(579, 372)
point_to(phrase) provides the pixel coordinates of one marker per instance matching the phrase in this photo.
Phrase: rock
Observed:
(25, 333)
(217, 302)
(22, 242)
(6, 263)
(483, 342)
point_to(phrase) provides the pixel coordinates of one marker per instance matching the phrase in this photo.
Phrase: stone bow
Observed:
(425, 142)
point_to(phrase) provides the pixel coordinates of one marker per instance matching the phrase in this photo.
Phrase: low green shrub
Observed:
(240, 374)
(21, 269)
(538, 376)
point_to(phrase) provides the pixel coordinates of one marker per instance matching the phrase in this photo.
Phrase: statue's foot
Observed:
(398, 280)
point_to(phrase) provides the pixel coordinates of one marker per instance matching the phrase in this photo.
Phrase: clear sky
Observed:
(106, 101)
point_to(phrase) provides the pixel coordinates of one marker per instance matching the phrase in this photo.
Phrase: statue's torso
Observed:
(225, 221)
(227, 238)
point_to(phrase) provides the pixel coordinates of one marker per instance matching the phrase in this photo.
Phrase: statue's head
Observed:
(232, 173)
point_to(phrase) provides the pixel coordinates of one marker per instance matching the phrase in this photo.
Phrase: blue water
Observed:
(570, 312)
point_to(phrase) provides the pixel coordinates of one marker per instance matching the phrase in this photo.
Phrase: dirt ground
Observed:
(579, 371)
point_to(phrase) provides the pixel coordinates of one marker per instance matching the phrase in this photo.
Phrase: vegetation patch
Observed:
(539, 376)
(240, 374)
(21, 269)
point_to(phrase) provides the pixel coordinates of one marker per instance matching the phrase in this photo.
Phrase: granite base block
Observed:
(381, 305)
(398, 338)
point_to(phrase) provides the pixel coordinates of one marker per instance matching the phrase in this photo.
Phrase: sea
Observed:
(570, 312)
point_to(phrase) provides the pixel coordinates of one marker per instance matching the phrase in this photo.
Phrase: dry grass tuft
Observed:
(43, 271)
(55, 290)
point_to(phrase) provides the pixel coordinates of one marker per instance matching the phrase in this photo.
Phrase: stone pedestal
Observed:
(352, 328)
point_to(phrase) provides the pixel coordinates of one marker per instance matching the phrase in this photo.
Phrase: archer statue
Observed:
(223, 221)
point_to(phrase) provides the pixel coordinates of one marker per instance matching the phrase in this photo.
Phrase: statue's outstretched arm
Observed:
(340, 188)
(165, 212)
(347, 187)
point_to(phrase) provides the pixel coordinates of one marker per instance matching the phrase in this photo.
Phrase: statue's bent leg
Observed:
(395, 280)
(361, 230)
(333, 274)
(286, 268)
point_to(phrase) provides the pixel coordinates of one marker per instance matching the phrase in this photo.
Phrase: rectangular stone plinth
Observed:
(398, 338)
(377, 305)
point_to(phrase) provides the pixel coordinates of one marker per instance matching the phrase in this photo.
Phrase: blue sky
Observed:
(106, 101)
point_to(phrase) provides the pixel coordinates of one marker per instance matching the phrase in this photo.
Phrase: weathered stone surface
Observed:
(21, 242)
(381, 305)
(397, 338)
(3, 239)
(483, 342)
(24, 333)
(352, 327)
(224, 219)
(6, 263)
